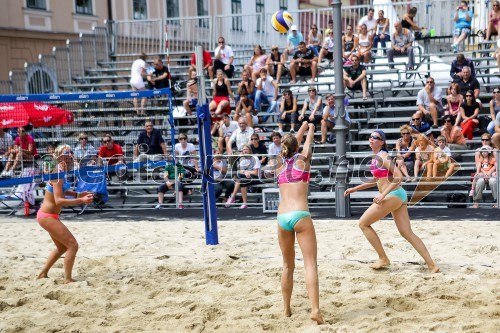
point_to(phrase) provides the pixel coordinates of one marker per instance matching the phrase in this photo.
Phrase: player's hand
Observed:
(88, 199)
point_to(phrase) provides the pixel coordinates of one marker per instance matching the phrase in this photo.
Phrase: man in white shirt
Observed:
(137, 74)
(267, 89)
(226, 129)
(429, 101)
(241, 136)
(224, 58)
(369, 20)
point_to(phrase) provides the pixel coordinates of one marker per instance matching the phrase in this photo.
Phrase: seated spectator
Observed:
(191, 94)
(6, 144)
(485, 142)
(162, 189)
(429, 101)
(424, 156)
(382, 32)
(369, 21)
(185, 156)
(245, 109)
(493, 20)
(402, 45)
(454, 137)
(224, 58)
(226, 128)
(420, 126)
(24, 150)
(330, 115)
(304, 63)
(246, 85)
(83, 148)
(442, 159)
(137, 74)
(469, 111)
(312, 107)
(365, 40)
(468, 82)
(326, 51)
(220, 100)
(150, 141)
(110, 152)
(454, 100)
(258, 148)
(315, 39)
(288, 111)
(408, 21)
(458, 64)
(267, 90)
(248, 173)
(208, 67)
(276, 63)
(158, 79)
(405, 148)
(240, 136)
(494, 111)
(274, 148)
(485, 174)
(463, 19)
(350, 44)
(220, 167)
(355, 76)
(294, 38)
(257, 62)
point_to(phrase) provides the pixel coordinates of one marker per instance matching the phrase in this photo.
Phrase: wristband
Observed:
(77, 195)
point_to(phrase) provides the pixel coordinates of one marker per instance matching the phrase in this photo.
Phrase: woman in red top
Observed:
(24, 150)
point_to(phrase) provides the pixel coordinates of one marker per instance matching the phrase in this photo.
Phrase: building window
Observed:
(259, 9)
(237, 20)
(140, 9)
(172, 8)
(283, 4)
(84, 7)
(36, 4)
(202, 10)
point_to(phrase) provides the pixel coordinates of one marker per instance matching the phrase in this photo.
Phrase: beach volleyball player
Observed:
(56, 192)
(294, 219)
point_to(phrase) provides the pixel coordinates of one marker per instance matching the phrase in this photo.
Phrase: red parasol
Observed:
(35, 113)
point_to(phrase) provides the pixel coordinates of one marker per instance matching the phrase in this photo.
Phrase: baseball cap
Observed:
(293, 27)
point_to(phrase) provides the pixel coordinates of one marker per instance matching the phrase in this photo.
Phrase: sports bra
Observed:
(291, 174)
(66, 186)
(364, 42)
(221, 90)
(378, 172)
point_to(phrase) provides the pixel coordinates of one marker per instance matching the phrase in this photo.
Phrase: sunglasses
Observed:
(221, 42)
(182, 139)
(468, 95)
(447, 121)
(274, 50)
(405, 133)
(495, 92)
(374, 137)
(83, 139)
(415, 119)
(254, 139)
(68, 153)
(312, 90)
(106, 141)
(429, 81)
(485, 139)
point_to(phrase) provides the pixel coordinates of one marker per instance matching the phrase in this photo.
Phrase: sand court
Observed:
(160, 276)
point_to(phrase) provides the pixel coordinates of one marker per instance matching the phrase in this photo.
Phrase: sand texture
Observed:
(161, 277)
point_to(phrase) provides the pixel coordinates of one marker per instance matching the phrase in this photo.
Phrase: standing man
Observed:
(224, 58)
(158, 79)
(150, 141)
(429, 101)
(402, 41)
(293, 40)
(137, 74)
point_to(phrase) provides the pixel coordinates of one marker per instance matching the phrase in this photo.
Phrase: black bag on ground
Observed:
(456, 200)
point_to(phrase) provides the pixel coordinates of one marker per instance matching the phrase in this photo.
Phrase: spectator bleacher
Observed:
(391, 102)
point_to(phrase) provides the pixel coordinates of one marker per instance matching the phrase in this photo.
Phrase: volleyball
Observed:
(282, 21)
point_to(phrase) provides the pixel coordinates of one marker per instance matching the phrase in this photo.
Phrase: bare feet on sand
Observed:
(316, 316)
(380, 264)
(42, 276)
(433, 268)
(287, 312)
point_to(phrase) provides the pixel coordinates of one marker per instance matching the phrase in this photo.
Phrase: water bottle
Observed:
(26, 208)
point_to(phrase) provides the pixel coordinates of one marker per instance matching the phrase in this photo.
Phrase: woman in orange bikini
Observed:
(48, 215)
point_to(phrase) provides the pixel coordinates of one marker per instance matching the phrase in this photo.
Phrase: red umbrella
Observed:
(11, 115)
(35, 113)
